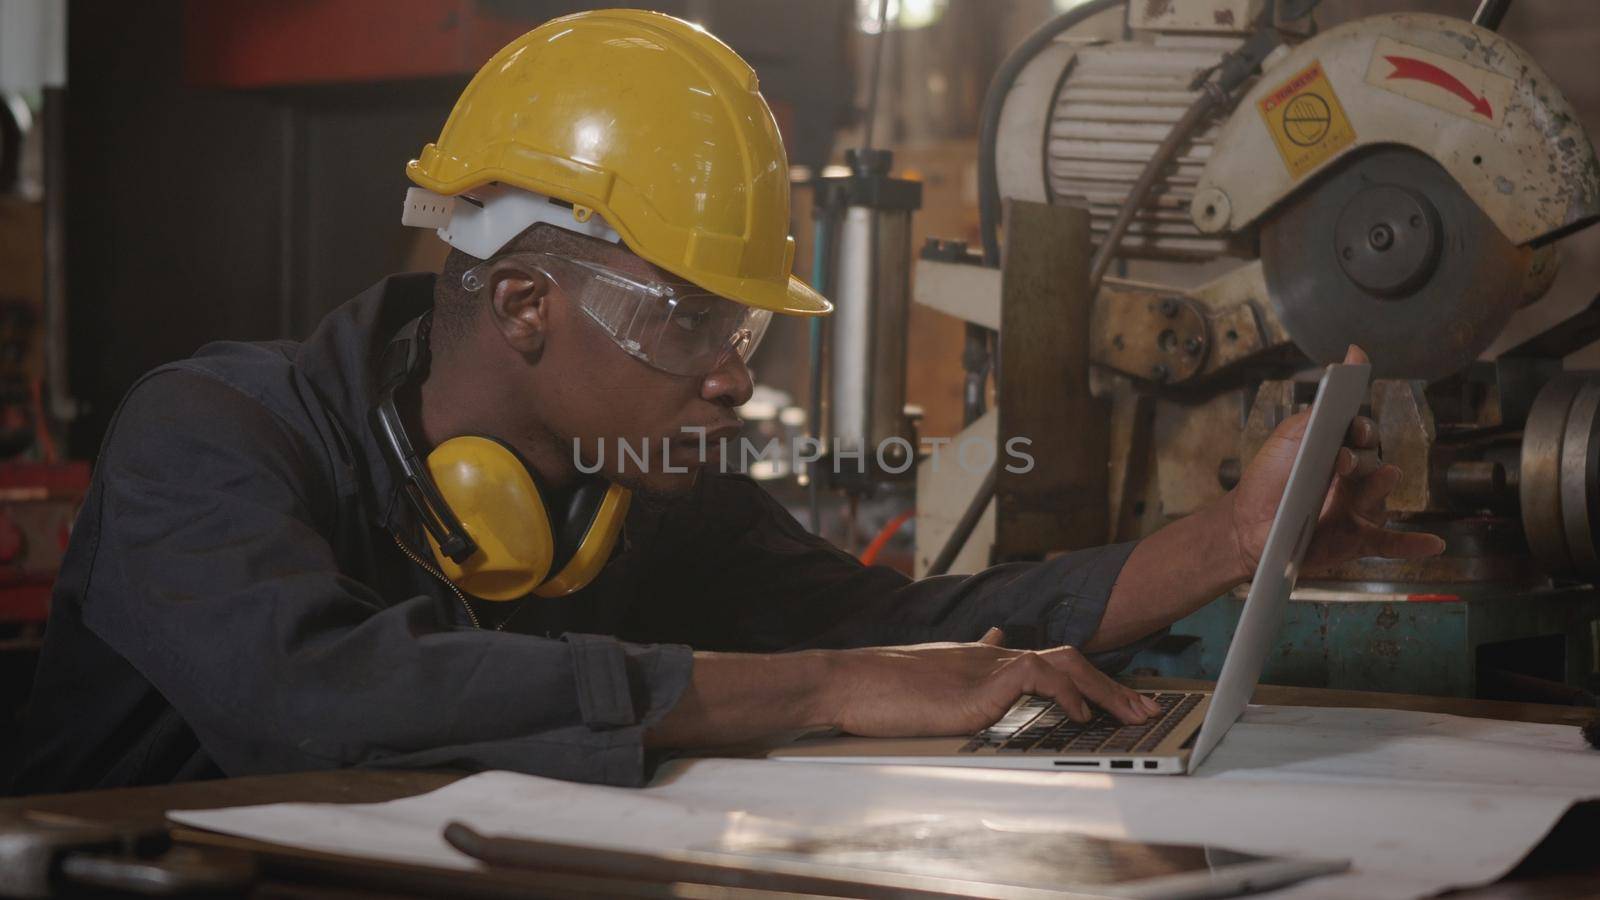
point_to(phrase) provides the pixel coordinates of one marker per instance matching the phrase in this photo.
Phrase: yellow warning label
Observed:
(1305, 120)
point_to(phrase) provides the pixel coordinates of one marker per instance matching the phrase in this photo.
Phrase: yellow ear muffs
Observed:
(499, 503)
(495, 497)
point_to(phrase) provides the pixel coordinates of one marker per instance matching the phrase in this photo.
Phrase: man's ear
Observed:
(520, 302)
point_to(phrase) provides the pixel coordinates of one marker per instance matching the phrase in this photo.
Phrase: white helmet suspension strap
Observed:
(481, 223)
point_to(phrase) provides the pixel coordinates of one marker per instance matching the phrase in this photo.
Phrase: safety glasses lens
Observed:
(670, 327)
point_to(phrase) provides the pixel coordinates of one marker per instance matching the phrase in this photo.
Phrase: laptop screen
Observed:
(1339, 398)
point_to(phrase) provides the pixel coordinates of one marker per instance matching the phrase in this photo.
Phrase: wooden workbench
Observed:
(1564, 865)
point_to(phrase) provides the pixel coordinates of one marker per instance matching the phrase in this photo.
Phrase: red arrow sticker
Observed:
(1408, 69)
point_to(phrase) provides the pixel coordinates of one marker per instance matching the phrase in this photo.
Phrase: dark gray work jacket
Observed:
(234, 601)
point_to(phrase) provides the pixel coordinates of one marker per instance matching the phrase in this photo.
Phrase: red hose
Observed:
(870, 555)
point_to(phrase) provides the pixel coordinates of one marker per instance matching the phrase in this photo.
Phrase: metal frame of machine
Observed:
(1395, 176)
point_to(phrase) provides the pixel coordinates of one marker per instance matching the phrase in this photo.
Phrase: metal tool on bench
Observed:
(918, 860)
(43, 855)
(1399, 182)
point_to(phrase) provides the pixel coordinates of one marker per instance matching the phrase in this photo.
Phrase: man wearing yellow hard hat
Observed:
(400, 542)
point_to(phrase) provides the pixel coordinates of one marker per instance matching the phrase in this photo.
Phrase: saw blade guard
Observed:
(1462, 95)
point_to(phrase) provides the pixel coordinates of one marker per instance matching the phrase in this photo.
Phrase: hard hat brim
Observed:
(803, 301)
(795, 298)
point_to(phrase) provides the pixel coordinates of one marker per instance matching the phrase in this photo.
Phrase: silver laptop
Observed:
(1036, 733)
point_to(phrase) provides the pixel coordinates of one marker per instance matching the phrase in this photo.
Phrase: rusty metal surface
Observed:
(1478, 550)
(1580, 480)
(1422, 643)
(1475, 479)
(1132, 456)
(1464, 297)
(1406, 435)
(1169, 336)
(1564, 338)
(1274, 402)
(1159, 337)
(1044, 394)
(1244, 285)
(1237, 335)
(1192, 440)
(1539, 478)
(1439, 570)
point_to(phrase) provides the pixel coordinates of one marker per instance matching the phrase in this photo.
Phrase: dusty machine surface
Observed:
(1401, 182)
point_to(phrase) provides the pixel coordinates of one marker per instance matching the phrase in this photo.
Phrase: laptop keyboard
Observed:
(1038, 725)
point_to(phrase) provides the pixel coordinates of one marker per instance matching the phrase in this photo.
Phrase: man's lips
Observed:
(691, 448)
(712, 436)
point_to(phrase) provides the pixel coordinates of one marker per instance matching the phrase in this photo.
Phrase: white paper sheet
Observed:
(1419, 802)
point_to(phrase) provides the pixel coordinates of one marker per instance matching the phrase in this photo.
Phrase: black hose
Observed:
(1209, 99)
(995, 98)
(1489, 14)
(1230, 74)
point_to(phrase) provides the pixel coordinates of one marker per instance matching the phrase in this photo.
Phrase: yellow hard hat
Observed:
(647, 122)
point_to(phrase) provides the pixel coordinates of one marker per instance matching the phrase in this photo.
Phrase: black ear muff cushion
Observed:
(574, 520)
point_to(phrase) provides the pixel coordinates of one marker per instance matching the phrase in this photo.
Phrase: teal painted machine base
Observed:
(1525, 644)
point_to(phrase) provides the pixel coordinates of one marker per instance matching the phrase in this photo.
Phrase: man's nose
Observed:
(729, 384)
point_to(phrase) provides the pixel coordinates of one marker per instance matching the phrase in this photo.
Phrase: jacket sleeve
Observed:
(775, 586)
(213, 577)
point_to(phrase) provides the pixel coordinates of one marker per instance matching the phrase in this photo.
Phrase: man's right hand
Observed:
(925, 690)
(949, 689)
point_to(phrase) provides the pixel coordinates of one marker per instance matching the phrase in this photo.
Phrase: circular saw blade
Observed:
(1330, 259)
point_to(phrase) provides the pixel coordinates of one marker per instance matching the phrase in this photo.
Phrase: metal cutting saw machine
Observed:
(1202, 201)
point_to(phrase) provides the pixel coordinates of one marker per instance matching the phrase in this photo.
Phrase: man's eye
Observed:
(691, 321)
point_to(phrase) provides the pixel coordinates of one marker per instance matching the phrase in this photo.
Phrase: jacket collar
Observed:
(339, 364)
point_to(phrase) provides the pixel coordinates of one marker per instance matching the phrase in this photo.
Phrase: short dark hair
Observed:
(454, 307)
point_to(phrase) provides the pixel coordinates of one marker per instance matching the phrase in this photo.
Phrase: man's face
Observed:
(646, 429)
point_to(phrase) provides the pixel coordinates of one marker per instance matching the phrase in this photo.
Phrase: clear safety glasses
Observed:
(676, 328)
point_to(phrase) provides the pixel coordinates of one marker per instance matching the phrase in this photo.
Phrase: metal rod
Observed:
(877, 72)
(819, 274)
(1489, 14)
(964, 526)
(975, 359)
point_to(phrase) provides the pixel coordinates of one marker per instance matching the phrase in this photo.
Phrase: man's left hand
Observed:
(1353, 517)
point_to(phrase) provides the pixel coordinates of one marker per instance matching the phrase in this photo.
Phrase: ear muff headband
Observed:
(402, 359)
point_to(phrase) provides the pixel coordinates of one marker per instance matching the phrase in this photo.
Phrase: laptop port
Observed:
(1122, 764)
(1150, 764)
